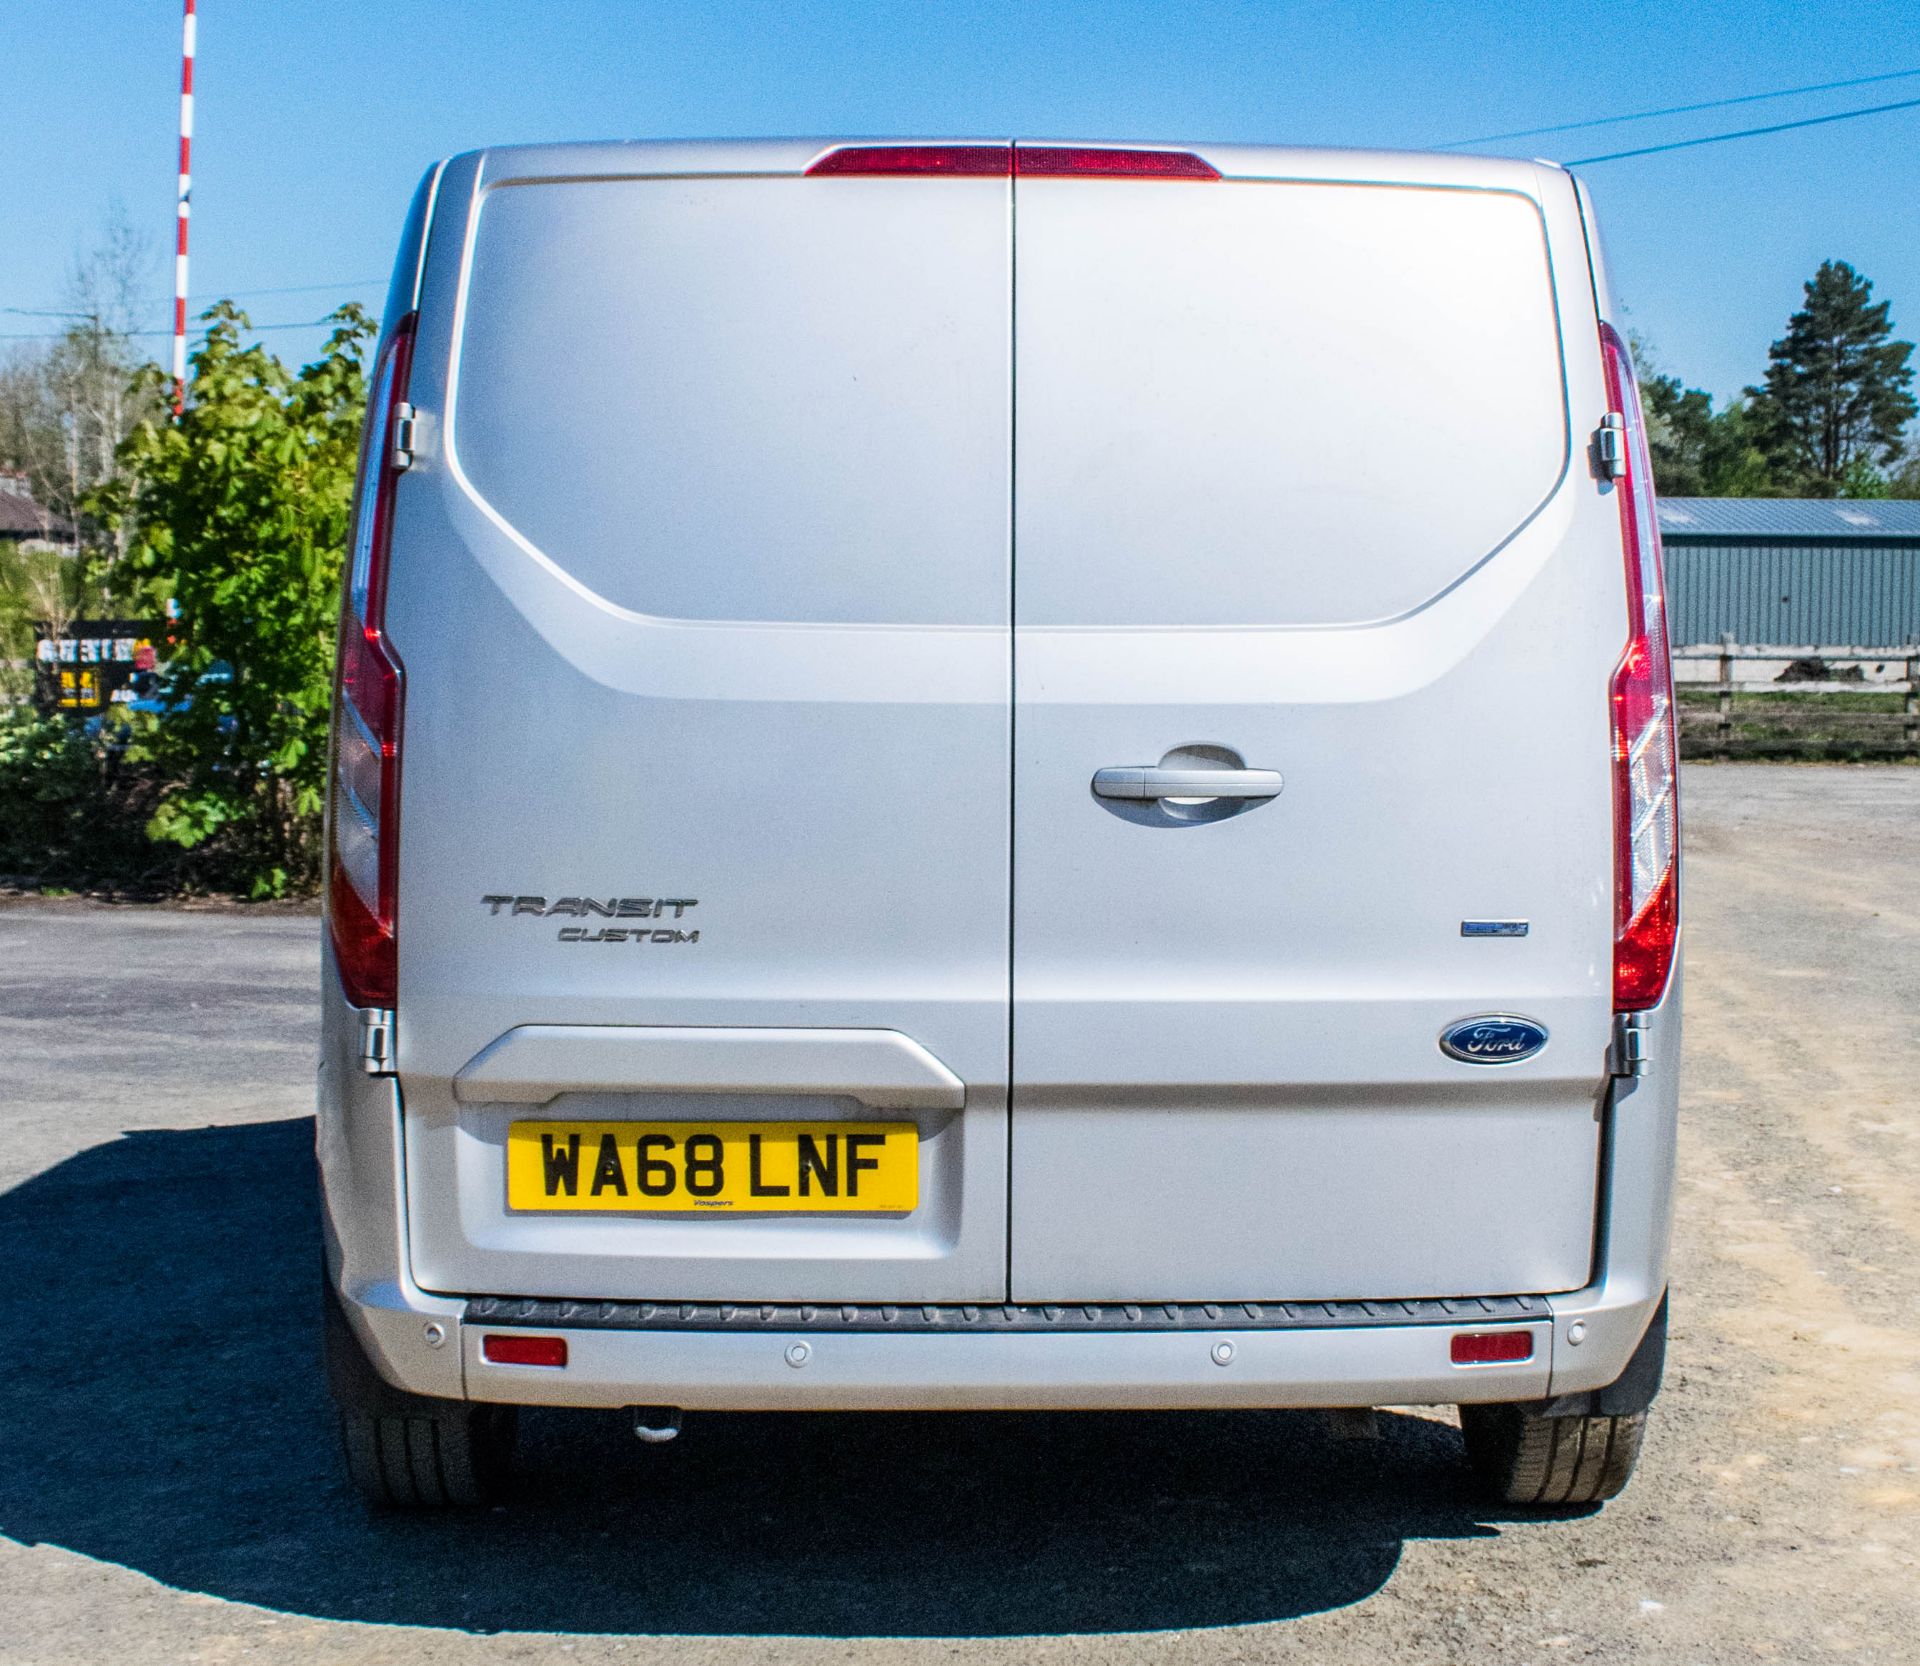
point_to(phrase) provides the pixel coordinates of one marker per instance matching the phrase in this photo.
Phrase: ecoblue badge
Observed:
(1497, 1038)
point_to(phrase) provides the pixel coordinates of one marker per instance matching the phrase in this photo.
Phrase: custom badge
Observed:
(629, 909)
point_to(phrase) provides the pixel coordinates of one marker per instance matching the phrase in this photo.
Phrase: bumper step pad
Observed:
(848, 1317)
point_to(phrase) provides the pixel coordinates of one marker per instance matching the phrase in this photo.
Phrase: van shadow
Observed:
(172, 1419)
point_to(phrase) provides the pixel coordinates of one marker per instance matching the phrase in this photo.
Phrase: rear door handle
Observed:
(1150, 782)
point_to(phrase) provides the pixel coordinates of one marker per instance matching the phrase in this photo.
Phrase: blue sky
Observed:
(315, 120)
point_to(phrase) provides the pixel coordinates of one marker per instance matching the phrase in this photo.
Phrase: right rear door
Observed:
(1300, 487)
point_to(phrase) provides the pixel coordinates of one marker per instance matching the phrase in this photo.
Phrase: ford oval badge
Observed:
(1497, 1038)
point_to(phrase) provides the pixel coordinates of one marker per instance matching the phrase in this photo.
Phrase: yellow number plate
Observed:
(785, 1168)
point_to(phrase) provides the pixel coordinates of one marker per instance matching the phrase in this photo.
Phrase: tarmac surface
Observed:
(169, 1491)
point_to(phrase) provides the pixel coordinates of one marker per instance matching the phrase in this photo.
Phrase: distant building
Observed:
(23, 520)
(1798, 572)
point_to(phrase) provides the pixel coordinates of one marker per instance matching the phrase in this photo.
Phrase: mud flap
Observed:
(1633, 1390)
(354, 1383)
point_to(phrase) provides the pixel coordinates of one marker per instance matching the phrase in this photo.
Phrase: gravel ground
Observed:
(167, 1490)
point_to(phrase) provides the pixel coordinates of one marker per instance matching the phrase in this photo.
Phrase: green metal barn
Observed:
(1801, 572)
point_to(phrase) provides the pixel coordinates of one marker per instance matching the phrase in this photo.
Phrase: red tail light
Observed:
(991, 161)
(364, 792)
(1093, 161)
(1646, 807)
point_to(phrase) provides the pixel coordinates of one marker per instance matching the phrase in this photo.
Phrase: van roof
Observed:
(599, 159)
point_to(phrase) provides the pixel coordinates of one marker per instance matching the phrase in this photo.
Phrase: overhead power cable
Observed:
(1682, 109)
(1745, 133)
(292, 289)
(347, 284)
(253, 329)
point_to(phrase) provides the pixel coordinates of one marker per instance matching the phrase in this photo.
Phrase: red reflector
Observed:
(1492, 1347)
(975, 161)
(1054, 161)
(524, 1350)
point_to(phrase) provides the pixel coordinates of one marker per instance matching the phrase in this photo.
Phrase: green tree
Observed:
(1837, 387)
(238, 512)
(67, 402)
(1903, 476)
(1679, 423)
(1735, 458)
(1862, 479)
(1696, 450)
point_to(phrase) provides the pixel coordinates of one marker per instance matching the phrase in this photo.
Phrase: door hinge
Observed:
(1610, 446)
(403, 433)
(376, 1041)
(1629, 1053)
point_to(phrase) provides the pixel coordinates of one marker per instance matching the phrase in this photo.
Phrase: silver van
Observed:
(999, 775)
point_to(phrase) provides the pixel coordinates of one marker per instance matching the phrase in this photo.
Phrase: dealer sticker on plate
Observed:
(722, 1167)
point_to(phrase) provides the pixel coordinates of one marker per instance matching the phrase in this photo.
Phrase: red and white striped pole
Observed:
(185, 210)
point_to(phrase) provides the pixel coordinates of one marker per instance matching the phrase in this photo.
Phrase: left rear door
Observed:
(701, 583)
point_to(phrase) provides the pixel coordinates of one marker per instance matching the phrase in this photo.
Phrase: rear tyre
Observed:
(440, 1458)
(1522, 1457)
(409, 1451)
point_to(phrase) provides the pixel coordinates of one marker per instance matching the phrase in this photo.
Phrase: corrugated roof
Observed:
(21, 517)
(1867, 519)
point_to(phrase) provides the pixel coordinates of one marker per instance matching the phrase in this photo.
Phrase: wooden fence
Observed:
(1816, 714)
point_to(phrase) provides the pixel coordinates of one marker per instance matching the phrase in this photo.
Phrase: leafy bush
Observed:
(74, 807)
(238, 514)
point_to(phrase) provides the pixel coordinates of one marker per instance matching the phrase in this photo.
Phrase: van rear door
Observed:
(1301, 488)
(701, 583)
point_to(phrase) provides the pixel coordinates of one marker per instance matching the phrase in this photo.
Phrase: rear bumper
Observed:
(1016, 1370)
(431, 1344)
(995, 1365)
(728, 1359)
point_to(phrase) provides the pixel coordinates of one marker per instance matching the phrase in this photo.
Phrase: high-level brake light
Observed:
(1645, 761)
(1026, 161)
(961, 161)
(1098, 162)
(362, 824)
